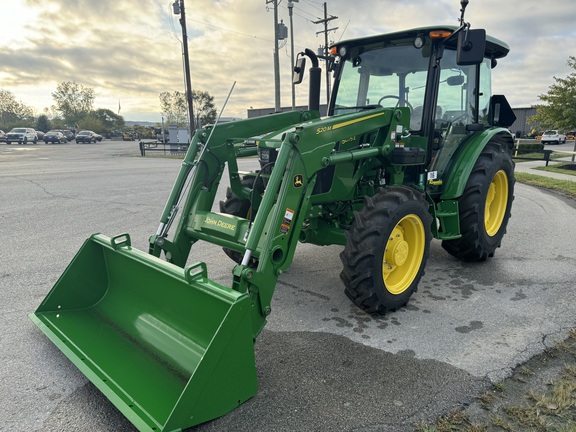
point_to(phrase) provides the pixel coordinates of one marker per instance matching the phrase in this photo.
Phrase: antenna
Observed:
(463, 4)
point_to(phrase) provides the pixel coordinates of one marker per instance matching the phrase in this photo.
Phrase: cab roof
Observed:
(495, 48)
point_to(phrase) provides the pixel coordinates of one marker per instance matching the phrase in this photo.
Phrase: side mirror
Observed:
(455, 80)
(471, 47)
(298, 72)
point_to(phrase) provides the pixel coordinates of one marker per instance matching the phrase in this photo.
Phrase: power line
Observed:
(312, 4)
(231, 31)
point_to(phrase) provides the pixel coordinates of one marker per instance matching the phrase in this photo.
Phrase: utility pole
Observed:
(178, 7)
(290, 7)
(326, 53)
(276, 58)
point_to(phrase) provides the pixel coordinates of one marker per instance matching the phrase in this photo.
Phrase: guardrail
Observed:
(167, 149)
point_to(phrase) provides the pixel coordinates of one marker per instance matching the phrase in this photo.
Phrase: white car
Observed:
(21, 136)
(553, 137)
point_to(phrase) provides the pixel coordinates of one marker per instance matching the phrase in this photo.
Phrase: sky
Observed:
(129, 51)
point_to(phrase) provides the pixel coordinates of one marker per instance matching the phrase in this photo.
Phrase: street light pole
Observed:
(178, 7)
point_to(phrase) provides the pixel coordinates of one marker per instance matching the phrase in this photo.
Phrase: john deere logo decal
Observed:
(298, 181)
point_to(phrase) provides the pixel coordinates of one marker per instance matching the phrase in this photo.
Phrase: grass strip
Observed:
(566, 186)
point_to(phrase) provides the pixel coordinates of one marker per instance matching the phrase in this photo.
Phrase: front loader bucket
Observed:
(168, 347)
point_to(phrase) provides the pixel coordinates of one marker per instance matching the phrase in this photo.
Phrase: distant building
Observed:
(131, 123)
(228, 119)
(521, 127)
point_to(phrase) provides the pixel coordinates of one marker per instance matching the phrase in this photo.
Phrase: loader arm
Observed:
(201, 171)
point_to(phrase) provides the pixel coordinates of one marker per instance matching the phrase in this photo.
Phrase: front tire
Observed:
(485, 205)
(386, 251)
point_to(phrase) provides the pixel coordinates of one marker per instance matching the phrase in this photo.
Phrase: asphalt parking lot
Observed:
(322, 363)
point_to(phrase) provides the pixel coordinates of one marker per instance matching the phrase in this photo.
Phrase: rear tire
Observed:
(485, 205)
(386, 250)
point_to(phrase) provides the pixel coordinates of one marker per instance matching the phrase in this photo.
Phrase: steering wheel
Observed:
(395, 97)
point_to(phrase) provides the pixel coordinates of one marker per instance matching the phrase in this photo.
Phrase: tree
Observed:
(43, 123)
(13, 111)
(174, 109)
(73, 101)
(110, 120)
(90, 122)
(560, 111)
(204, 108)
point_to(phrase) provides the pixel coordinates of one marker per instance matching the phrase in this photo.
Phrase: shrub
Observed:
(535, 147)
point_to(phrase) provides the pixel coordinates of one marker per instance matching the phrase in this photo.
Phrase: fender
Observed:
(467, 157)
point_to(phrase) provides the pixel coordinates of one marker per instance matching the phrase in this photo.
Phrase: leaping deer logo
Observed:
(298, 181)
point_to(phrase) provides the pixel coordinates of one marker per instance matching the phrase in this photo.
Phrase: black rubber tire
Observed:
(234, 205)
(476, 244)
(365, 255)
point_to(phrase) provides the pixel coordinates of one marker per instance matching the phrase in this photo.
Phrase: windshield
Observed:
(388, 77)
(396, 76)
(18, 130)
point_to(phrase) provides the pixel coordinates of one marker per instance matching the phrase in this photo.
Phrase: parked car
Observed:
(2, 136)
(86, 136)
(68, 134)
(570, 135)
(553, 137)
(98, 137)
(61, 131)
(40, 135)
(21, 136)
(55, 136)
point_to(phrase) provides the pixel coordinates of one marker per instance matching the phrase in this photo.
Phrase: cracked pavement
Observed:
(322, 363)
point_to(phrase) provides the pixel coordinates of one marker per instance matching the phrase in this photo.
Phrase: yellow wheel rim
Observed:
(496, 202)
(403, 254)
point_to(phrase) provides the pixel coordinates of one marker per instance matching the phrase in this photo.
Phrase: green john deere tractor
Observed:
(414, 147)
